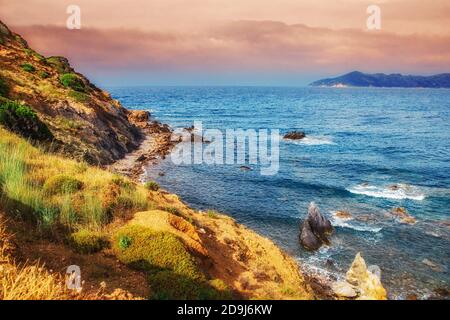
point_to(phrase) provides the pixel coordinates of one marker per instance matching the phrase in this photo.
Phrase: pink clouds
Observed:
(245, 46)
(232, 38)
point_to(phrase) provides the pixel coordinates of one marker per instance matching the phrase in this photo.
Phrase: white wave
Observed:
(397, 191)
(312, 140)
(338, 222)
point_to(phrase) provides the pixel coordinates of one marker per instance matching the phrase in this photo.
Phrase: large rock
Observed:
(139, 118)
(315, 229)
(294, 135)
(344, 289)
(320, 225)
(367, 284)
(307, 237)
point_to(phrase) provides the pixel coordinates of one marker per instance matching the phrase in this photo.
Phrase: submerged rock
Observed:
(294, 135)
(343, 215)
(403, 215)
(315, 229)
(433, 266)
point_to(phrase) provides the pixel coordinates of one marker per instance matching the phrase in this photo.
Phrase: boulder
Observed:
(367, 284)
(294, 135)
(320, 225)
(307, 237)
(139, 118)
(344, 289)
(315, 229)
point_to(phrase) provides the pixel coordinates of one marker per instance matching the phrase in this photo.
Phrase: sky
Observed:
(230, 42)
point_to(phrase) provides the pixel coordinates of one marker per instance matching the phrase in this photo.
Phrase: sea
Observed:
(366, 151)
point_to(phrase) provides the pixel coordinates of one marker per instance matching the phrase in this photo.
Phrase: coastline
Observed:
(155, 146)
(156, 143)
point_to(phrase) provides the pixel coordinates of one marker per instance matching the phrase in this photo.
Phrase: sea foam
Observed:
(312, 141)
(344, 223)
(401, 191)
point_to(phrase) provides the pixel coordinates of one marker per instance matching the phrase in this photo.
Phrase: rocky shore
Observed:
(156, 144)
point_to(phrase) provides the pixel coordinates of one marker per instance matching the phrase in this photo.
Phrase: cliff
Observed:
(75, 117)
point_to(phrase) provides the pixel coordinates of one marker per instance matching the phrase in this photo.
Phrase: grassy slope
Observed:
(67, 212)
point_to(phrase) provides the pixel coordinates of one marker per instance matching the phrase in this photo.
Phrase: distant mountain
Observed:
(359, 79)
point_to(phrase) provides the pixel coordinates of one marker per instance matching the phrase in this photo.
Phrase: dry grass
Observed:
(34, 282)
(27, 172)
(26, 282)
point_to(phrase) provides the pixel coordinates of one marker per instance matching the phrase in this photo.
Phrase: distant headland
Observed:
(395, 80)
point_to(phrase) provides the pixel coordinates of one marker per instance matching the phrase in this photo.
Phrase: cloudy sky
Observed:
(231, 42)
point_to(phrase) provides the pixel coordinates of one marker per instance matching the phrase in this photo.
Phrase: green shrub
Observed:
(86, 241)
(47, 217)
(173, 210)
(4, 88)
(124, 202)
(72, 81)
(124, 242)
(68, 124)
(154, 251)
(10, 108)
(61, 184)
(152, 185)
(123, 183)
(32, 53)
(28, 67)
(212, 214)
(21, 119)
(43, 74)
(59, 63)
(78, 96)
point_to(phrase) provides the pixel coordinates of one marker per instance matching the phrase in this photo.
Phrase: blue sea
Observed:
(360, 142)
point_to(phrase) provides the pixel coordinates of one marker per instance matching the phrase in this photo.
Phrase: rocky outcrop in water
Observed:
(403, 215)
(294, 135)
(315, 230)
(360, 283)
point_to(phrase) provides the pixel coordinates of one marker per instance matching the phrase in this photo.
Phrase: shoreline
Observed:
(156, 144)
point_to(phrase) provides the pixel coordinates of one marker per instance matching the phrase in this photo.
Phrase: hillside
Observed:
(359, 79)
(75, 116)
(130, 240)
